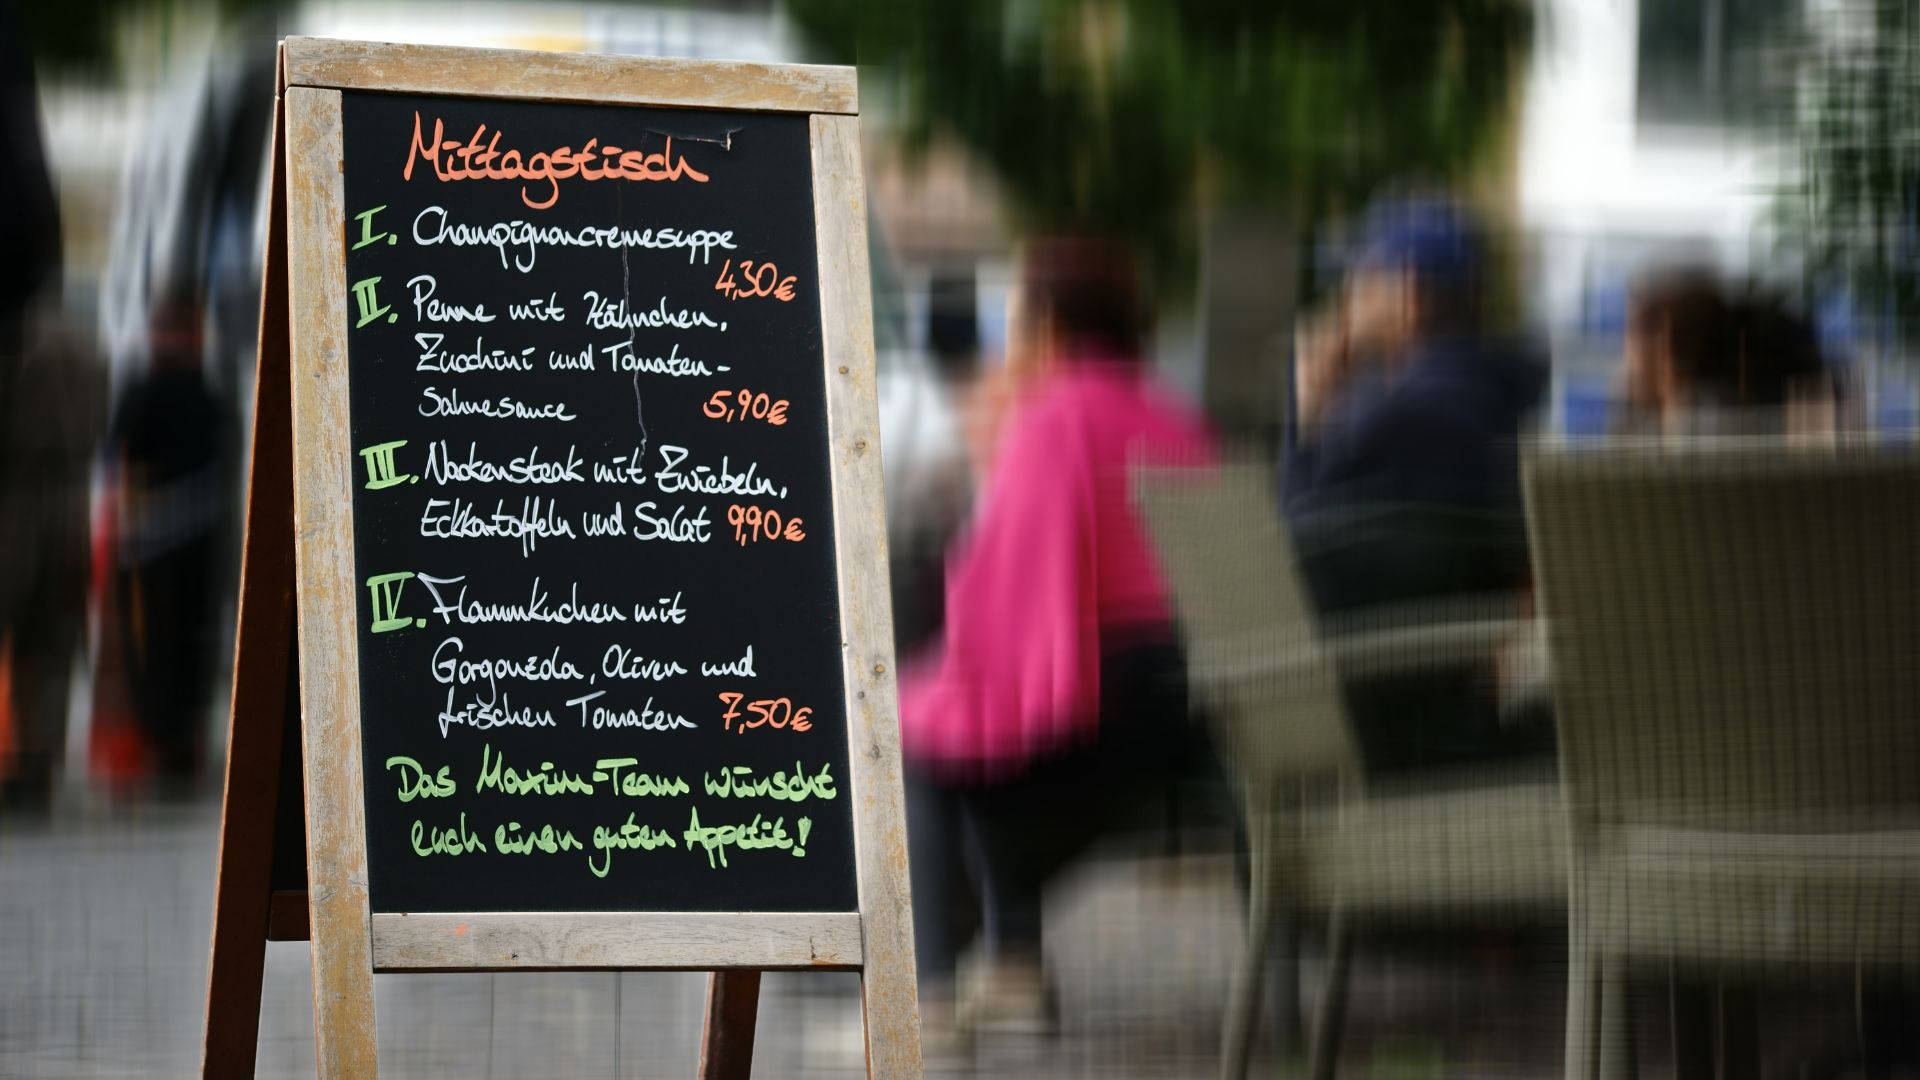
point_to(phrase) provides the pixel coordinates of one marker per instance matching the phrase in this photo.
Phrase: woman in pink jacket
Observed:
(1057, 687)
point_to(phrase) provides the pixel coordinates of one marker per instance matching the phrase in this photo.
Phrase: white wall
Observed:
(1594, 183)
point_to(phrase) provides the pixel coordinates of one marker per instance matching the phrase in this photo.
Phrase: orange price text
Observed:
(751, 523)
(775, 713)
(753, 279)
(744, 404)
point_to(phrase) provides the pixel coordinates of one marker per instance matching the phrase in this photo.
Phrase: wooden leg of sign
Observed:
(256, 721)
(726, 1046)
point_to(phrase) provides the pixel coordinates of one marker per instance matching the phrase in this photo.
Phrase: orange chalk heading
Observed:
(480, 158)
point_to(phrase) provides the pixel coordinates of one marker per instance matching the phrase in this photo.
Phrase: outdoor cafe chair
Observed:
(1270, 678)
(1734, 631)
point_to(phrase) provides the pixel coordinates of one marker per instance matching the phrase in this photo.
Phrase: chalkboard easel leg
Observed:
(242, 904)
(733, 1005)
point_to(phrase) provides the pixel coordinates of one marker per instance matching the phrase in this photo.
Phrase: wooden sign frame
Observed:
(298, 583)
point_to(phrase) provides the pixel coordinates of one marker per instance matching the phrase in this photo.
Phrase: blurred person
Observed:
(51, 392)
(936, 498)
(191, 212)
(1401, 473)
(1701, 360)
(1704, 358)
(170, 454)
(178, 315)
(1057, 686)
(46, 431)
(31, 226)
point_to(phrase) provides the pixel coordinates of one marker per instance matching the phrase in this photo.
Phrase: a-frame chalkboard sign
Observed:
(564, 585)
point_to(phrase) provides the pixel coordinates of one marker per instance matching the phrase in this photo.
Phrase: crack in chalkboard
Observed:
(724, 140)
(626, 292)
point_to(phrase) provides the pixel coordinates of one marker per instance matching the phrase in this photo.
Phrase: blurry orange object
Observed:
(117, 752)
(7, 747)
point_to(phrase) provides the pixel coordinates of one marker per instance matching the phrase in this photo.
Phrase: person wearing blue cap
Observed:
(1399, 396)
(1401, 479)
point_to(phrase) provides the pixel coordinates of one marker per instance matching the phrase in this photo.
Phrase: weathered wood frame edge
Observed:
(571, 77)
(324, 587)
(889, 996)
(616, 940)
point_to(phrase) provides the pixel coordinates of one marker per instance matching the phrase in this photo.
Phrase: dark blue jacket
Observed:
(1410, 491)
(1443, 430)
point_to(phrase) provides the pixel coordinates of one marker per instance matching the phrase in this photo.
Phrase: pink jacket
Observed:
(1055, 557)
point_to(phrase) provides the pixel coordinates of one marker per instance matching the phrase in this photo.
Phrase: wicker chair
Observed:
(1735, 639)
(1271, 682)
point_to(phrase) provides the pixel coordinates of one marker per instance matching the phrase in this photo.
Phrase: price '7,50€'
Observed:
(776, 713)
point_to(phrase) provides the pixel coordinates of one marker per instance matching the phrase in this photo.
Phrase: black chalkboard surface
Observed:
(598, 637)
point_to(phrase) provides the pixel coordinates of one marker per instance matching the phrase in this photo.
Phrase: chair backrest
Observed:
(1734, 628)
(1252, 649)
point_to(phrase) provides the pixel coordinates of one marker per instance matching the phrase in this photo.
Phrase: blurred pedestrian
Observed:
(1057, 686)
(931, 487)
(171, 452)
(1401, 478)
(47, 426)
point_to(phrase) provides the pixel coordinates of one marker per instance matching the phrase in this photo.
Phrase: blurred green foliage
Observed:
(1132, 115)
(78, 34)
(1854, 208)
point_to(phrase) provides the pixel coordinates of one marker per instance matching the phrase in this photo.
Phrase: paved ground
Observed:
(103, 938)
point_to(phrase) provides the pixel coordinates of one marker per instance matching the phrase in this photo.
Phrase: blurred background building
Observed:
(1232, 140)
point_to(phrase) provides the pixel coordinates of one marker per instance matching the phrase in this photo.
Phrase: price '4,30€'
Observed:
(754, 279)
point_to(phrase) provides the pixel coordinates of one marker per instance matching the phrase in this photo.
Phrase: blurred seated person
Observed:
(1056, 692)
(1401, 474)
(1701, 360)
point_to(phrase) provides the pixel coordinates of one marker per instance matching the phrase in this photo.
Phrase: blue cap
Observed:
(1430, 237)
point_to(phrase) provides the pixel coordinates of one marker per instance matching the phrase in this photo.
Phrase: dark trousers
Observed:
(169, 634)
(997, 844)
(1365, 557)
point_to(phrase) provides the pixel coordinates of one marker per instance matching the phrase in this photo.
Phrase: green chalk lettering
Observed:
(434, 840)
(384, 590)
(497, 775)
(738, 782)
(368, 301)
(379, 460)
(624, 838)
(367, 235)
(416, 784)
(753, 836)
(510, 840)
(636, 784)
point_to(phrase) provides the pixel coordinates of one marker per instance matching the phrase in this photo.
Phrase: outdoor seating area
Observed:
(1730, 627)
